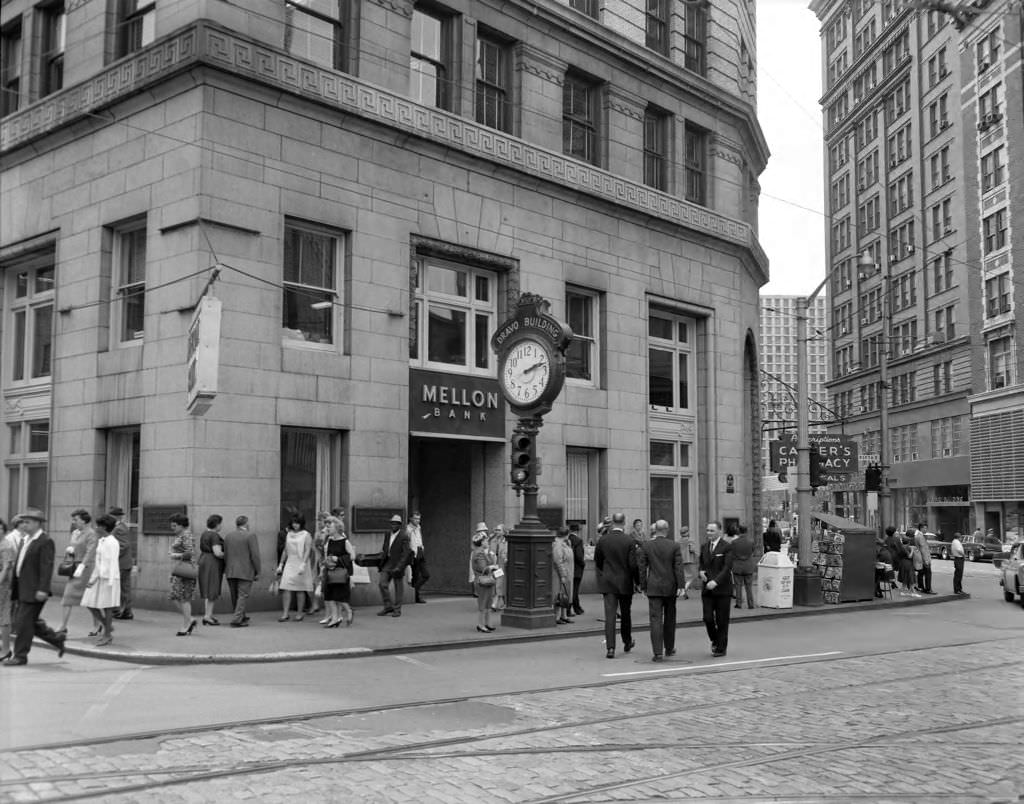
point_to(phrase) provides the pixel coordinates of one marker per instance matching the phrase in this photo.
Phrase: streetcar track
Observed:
(169, 733)
(419, 750)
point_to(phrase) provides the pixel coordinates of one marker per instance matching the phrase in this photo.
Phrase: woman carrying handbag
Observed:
(184, 571)
(483, 563)
(337, 574)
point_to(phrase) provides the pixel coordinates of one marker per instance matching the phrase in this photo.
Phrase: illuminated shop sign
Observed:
(455, 406)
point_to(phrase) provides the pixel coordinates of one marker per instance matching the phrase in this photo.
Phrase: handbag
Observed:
(67, 567)
(485, 580)
(562, 600)
(185, 570)
(337, 575)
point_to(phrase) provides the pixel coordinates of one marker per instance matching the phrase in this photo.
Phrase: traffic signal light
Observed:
(873, 477)
(522, 447)
(817, 470)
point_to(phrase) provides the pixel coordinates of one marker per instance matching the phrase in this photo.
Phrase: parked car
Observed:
(1011, 574)
(982, 548)
(937, 546)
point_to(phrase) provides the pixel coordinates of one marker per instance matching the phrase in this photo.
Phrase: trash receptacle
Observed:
(775, 581)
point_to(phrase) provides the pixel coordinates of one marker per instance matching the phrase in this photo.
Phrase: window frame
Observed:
(21, 463)
(20, 349)
(656, 27)
(122, 288)
(339, 24)
(132, 19)
(682, 345)
(695, 164)
(445, 93)
(591, 339)
(334, 314)
(53, 25)
(994, 229)
(587, 124)
(11, 89)
(657, 154)
(587, 7)
(498, 86)
(1000, 376)
(695, 38)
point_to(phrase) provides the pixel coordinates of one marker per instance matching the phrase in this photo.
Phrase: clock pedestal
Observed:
(529, 598)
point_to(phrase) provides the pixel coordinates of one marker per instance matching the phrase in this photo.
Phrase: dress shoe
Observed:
(241, 624)
(283, 618)
(578, 610)
(97, 632)
(657, 658)
(125, 616)
(211, 621)
(610, 654)
(717, 653)
(104, 640)
(396, 613)
(490, 628)
(325, 620)
(670, 652)
(482, 630)
(61, 645)
(15, 662)
(629, 646)
(419, 599)
(384, 612)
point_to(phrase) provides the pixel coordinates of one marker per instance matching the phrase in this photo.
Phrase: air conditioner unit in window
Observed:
(946, 452)
(943, 125)
(910, 250)
(864, 321)
(892, 258)
(893, 162)
(847, 283)
(913, 456)
(983, 126)
(896, 458)
(948, 230)
(983, 66)
(943, 72)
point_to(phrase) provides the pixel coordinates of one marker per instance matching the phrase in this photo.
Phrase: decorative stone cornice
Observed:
(729, 150)
(541, 64)
(206, 44)
(624, 102)
(403, 7)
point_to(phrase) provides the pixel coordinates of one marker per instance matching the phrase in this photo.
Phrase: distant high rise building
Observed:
(778, 366)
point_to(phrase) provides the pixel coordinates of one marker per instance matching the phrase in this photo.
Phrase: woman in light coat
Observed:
(499, 546)
(83, 550)
(481, 560)
(102, 594)
(562, 562)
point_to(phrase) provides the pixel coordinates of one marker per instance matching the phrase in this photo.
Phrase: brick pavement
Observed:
(877, 726)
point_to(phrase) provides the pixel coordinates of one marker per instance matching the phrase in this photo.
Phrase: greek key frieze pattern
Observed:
(208, 44)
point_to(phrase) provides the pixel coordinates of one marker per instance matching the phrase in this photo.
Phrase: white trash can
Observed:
(775, 581)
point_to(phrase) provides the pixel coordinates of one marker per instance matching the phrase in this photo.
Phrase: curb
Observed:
(504, 639)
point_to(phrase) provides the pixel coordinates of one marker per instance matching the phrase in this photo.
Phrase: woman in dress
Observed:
(183, 548)
(9, 544)
(294, 568)
(102, 594)
(338, 553)
(562, 562)
(482, 561)
(499, 546)
(689, 559)
(83, 550)
(211, 567)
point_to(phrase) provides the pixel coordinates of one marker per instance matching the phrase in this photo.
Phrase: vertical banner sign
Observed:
(203, 356)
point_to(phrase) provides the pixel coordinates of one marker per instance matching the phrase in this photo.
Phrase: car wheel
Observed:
(943, 554)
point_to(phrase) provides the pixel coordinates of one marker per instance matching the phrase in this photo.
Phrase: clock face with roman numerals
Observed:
(525, 372)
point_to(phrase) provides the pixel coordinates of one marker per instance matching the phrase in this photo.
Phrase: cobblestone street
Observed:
(879, 727)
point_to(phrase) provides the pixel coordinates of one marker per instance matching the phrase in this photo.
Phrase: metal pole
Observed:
(884, 448)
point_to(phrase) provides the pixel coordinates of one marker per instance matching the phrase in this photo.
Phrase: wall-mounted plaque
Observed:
(155, 518)
(368, 520)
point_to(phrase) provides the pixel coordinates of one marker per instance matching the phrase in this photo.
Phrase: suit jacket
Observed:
(743, 556)
(718, 566)
(615, 559)
(579, 557)
(661, 567)
(36, 569)
(241, 555)
(395, 560)
(124, 555)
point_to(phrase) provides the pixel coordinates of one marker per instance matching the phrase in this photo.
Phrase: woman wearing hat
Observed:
(483, 563)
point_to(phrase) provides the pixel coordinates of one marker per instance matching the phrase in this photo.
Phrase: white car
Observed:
(1011, 574)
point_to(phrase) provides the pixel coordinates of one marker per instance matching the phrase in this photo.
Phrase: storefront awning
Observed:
(840, 523)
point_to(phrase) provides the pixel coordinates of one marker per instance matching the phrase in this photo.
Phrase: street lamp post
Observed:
(865, 264)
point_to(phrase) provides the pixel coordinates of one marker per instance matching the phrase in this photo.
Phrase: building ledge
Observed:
(205, 44)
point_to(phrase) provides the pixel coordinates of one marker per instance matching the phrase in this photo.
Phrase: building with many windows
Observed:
(252, 254)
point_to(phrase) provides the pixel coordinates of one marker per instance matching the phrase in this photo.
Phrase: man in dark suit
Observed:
(241, 567)
(396, 554)
(743, 568)
(32, 573)
(661, 579)
(615, 559)
(579, 564)
(125, 562)
(716, 574)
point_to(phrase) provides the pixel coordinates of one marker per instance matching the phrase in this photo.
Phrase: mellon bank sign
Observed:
(455, 406)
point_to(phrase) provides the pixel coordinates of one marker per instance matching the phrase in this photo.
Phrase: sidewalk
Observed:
(442, 623)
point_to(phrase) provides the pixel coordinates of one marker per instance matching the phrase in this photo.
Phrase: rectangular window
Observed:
(27, 465)
(671, 483)
(129, 301)
(987, 50)
(456, 309)
(942, 272)
(997, 295)
(310, 470)
(994, 228)
(999, 363)
(10, 68)
(30, 294)
(655, 148)
(312, 258)
(136, 25)
(670, 368)
(695, 37)
(582, 314)
(942, 377)
(582, 491)
(992, 174)
(945, 323)
(315, 31)
(579, 118)
(990, 106)
(695, 164)
(493, 79)
(588, 7)
(657, 25)
(430, 60)
(54, 26)
(123, 453)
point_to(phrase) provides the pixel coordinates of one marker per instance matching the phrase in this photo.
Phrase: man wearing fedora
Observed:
(125, 563)
(395, 557)
(31, 587)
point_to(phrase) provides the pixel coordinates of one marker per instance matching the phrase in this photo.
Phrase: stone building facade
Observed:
(365, 188)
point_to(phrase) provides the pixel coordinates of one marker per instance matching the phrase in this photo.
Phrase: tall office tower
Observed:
(365, 188)
(778, 346)
(906, 331)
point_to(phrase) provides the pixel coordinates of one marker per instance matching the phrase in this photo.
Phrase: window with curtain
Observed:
(310, 471)
(311, 309)
(28, 341)
(27, 465)
(136, 27)
(582, 493)
(123, 470)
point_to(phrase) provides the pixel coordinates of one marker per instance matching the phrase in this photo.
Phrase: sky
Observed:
(788, 88)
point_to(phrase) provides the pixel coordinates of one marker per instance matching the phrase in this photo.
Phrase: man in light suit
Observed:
(716, 595)
(241, 567)
(615, 559)
(661, 579)
(32, 573)
(396, 553)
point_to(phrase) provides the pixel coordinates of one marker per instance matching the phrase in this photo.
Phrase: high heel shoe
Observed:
(482, 630)
(6, 656)
(283, 618)
(211, 621)
(191, 627)
(334, 623)
(325, 621)
(97, 632)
